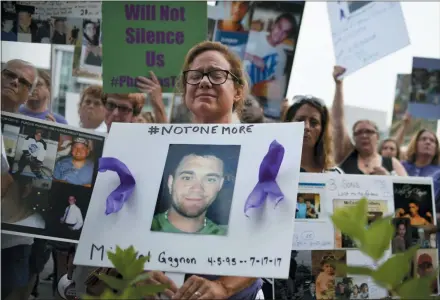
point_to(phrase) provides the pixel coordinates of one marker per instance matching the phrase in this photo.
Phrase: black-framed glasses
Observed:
(9, 75)
(122, 109)
(215, 77)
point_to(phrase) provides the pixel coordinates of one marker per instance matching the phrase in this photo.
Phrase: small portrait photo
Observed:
(75, 161)
(376, 209)
(27, 27)
(25, 203)
(65, 31)
(10, 134)
(403, 235)
(35, 153)
(425, 263)
(353, 6)
(236, 16)
(351, 288)
(91, 59)
(197, 188)
(324, 270)
(415, 202)
(91, 29)
(307, 206)
(9, 25)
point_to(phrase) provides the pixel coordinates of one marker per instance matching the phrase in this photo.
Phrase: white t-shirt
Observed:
(275, 62)
(37, 149)
(102, 128)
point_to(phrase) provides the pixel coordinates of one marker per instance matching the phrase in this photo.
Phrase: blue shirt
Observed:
(66, 171)
(302, 210)
(41, 115)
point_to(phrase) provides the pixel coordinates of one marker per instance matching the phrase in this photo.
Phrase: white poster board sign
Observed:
(187, 210)
(365, 31)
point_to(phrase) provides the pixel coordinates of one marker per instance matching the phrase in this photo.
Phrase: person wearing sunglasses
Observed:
(19, 78)
(361, 157)
(317, 152)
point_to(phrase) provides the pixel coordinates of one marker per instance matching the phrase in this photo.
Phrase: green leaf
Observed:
(113, 282)
(360, 212)
(417, 288)
(139, 278)
(149, 290)
(377, 238)
(353, 270)
(127, 263)
(391, 273)
(108, 295)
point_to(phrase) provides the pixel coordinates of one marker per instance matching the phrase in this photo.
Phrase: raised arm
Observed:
(152, 87)
(341, 138)
(399, 136)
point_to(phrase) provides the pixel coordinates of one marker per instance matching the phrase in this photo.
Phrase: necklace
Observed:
(204, 222)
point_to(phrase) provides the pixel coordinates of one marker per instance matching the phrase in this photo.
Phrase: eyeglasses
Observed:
(367, 132)
(9, 75)
(215, 77)
(122, 109)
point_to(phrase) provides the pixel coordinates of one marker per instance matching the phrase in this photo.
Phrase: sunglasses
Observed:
(9, 75)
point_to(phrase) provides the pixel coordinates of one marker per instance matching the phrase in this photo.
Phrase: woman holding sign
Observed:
(214, 86)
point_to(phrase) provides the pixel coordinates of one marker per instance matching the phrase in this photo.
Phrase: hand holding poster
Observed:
(152, 36)
(365, 31)
(210, 184)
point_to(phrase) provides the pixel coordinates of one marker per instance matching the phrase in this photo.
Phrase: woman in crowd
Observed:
(389, 148)
(362, 157)
(317, 152)
(213, 85)
(423, 160)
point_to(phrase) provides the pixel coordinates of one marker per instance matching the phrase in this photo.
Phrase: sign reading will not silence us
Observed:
(149, 36)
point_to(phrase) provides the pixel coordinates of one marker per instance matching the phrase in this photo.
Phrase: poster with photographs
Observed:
(425, 88)
(87, 57)
(264, 35)
(197, 201)
(401, 101)
(46, 22)
(413, 200)
(54, 168)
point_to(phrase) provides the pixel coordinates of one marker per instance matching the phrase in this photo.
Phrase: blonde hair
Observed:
(236, 69)
(411, 152)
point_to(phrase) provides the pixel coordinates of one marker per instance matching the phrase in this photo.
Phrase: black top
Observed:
(350, 164)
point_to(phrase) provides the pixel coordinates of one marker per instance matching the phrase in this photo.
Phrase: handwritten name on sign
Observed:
(97, 253)
(313, 236)
(198, 129)
(356, 188)
(409, 191)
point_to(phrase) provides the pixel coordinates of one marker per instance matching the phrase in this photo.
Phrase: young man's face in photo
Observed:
(328, 269)
(60, 26)
(238, 10)
(24, 19)
(7, 25)
(90, 30)
(80, 151)
(38, 136)
(72, 200)
(195, 185)
(280, 31)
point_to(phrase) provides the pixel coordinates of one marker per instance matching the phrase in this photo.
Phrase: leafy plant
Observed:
(131, 285)
(373, 241)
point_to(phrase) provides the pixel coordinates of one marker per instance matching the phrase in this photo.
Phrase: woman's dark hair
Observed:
(393, 141)
(323, 150)
(293, 32)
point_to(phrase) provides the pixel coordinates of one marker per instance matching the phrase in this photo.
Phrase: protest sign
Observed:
(425, 89)
(54, 168)
(152, 36)
(264, 35)
(401, 103)
(365, 31)
(209, 198)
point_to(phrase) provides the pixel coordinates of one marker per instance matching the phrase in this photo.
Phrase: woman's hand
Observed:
(379, 170)
(151, 87)
(200, 288)
(157, 277)
(51, 118)
(338, 71)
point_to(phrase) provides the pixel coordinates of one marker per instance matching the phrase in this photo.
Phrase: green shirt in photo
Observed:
(161, 223)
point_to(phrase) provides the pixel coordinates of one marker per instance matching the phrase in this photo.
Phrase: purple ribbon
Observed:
(267, 186)
(122, 193)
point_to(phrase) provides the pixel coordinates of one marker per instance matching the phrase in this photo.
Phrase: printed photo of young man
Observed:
(72, 216)
(193, 185)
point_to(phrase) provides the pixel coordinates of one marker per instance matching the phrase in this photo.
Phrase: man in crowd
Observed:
(39, 101)
(34, 152)
(75, 168)
(193, 187)
(19, 77)
(91, 110)
(72, 216)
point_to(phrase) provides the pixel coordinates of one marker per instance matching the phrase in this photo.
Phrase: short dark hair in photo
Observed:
(291, 18)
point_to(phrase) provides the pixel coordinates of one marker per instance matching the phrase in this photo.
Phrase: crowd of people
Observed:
(213, 97)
